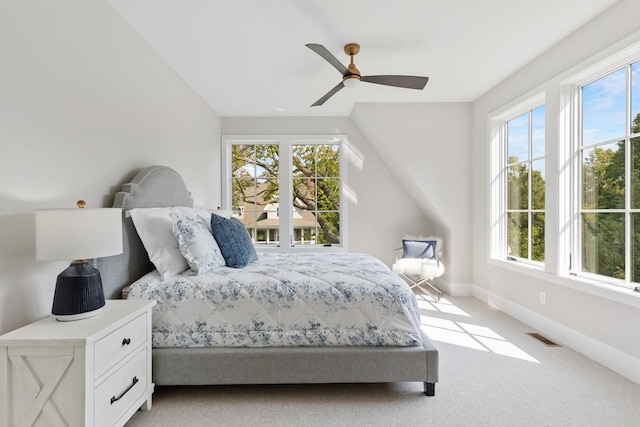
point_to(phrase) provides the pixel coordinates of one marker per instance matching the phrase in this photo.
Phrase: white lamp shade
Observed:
(75, 234)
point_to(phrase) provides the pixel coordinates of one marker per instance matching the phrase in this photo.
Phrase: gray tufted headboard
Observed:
(152, 187)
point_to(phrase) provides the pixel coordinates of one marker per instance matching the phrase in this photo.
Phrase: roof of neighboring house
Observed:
(254, 215)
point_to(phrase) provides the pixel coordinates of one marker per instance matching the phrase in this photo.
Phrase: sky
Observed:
(604, 105)
(518, 139)
(604, 116)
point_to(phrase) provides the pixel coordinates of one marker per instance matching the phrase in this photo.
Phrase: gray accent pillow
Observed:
(419, 248)
(234, 241)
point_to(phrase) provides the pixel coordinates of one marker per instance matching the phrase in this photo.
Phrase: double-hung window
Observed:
(526, 185)
(287, 190)
(609, 186)
(518, 186)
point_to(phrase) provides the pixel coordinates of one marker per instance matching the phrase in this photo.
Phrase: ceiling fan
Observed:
(351, 75)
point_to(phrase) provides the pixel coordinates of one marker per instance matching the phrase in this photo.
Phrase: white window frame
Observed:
(570, 262)
(286, 143)
(498, 123)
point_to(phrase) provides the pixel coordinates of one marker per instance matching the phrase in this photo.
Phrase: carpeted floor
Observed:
(491, 374)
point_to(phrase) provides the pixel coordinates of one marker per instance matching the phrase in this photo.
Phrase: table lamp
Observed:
(78, 234)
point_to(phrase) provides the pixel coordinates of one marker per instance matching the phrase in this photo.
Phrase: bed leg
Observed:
(430, 389)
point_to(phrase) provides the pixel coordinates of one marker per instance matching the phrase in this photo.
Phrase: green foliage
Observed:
(518, 186)
(518, 234)
(603, 187)
(518, 200)
(537, 236)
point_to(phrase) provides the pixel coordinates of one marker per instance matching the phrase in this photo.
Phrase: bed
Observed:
(289, 358)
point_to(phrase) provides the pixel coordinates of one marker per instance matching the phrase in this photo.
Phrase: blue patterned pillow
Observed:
(196, 243)
(234, 241)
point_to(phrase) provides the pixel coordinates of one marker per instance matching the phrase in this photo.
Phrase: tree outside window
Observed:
(316, 188)
(314, 208)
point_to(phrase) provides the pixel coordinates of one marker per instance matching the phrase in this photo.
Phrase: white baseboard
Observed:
(614, 359)
(454, 289)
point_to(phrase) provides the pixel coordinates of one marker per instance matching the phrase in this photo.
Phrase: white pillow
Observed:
(196, 243)
(155, 228)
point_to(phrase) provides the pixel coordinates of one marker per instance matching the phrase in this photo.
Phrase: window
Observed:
(609, 187)
(526, 185)
(518, 186)
(287, 190)
(573, 210)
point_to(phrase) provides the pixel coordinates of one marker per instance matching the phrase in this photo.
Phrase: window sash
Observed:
(508, 211)
(584, 264)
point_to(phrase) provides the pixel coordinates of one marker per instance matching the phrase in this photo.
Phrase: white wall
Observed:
(84, 102)
(601, 324)
(382, 211)
(428, 148)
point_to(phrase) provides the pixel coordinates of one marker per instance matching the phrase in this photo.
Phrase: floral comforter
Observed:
(284, 299)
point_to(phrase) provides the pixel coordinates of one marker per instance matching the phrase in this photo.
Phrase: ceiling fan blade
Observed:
(409, 82)
(328, 95)
(328, 56)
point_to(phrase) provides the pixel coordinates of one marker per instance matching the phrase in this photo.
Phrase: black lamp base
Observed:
(78, 292)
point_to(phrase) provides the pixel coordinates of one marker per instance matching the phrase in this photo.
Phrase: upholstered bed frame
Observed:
(160, 186)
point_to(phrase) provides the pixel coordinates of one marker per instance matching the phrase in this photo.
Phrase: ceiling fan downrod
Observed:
(351, 80)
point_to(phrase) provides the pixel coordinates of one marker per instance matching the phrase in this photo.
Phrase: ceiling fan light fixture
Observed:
(351, 82)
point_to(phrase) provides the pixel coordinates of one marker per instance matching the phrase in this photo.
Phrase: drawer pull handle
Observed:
(126, 341)
(134, 382)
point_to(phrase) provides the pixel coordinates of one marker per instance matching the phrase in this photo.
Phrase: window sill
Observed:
(300, 248)
(581, 284)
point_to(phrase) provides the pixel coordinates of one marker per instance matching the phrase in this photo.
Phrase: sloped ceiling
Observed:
(247, 58)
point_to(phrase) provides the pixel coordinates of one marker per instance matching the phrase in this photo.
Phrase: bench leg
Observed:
(430, 389)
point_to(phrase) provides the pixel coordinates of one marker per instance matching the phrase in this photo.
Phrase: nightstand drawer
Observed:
(121, 390)
(119, 344)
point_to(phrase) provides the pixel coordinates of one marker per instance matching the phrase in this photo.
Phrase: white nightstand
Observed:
(95, 371)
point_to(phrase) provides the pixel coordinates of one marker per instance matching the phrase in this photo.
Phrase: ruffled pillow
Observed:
(196, 243)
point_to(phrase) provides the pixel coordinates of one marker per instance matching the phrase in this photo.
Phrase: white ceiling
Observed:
(248, 57)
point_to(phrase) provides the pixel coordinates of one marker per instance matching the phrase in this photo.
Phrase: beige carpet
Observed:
(491, 374)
